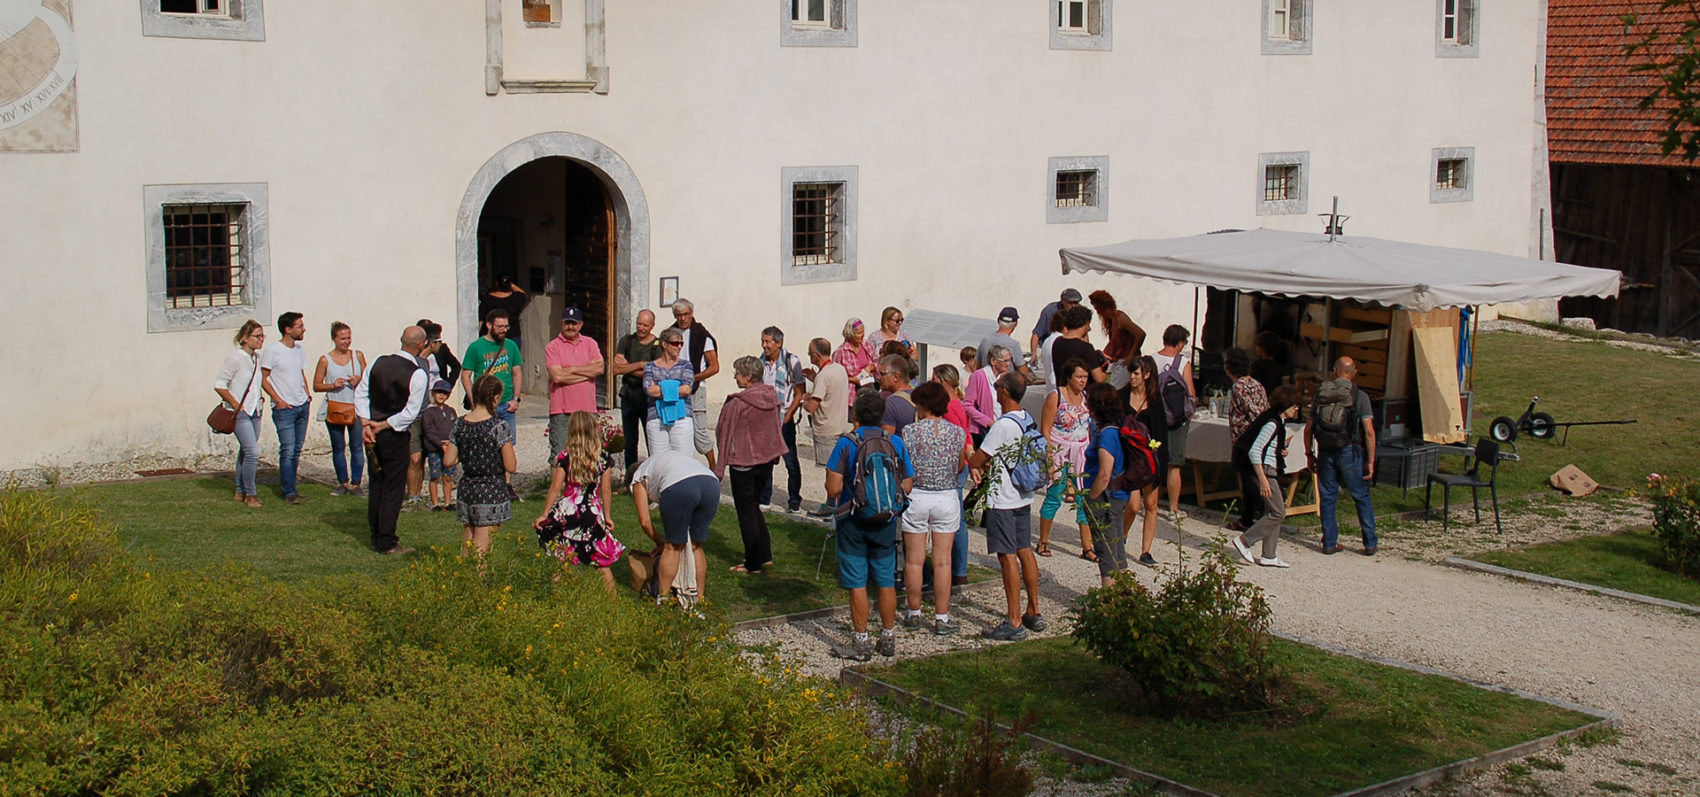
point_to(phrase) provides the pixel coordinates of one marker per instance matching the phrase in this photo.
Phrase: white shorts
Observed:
(937, 511)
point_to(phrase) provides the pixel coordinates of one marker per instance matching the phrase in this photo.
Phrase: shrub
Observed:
(441, 678)
(1199, 643)
(1676, 521)
(973, 757)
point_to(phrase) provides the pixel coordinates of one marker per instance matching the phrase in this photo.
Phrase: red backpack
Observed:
(1139, 462)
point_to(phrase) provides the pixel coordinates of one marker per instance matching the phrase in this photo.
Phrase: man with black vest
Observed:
(700, 348)
(388, 400)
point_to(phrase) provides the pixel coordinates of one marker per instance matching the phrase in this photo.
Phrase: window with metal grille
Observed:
(1280, 182)
(203, 255)
(216, 7)
(815, 223)
(1077, 188)
(817, 13)
(1450, 173)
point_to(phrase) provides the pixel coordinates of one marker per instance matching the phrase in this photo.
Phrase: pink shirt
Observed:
(580, 395)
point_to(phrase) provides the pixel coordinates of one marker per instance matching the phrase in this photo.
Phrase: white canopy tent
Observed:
(1389, 273)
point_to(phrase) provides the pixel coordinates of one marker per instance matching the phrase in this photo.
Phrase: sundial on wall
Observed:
(38, 66)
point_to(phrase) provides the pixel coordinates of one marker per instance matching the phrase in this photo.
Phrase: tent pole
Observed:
(1475, 331)
(1194, 332)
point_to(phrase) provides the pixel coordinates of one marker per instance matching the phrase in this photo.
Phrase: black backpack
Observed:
(1241, 458)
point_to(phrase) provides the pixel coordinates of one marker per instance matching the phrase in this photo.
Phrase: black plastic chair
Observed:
(1487, 452)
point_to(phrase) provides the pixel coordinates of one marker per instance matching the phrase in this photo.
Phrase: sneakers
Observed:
(340, 490)
(1273, 561)
(793, 509)
(824, 510)
(912, 621)
(766, 507)
(1175, 517)
(1004, 632)
(1244, 552)
(862, 650)
(887, 646)
(1147, 559)
(1033, 622)
(945, 627)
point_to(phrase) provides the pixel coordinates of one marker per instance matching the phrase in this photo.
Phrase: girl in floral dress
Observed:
(575, 527)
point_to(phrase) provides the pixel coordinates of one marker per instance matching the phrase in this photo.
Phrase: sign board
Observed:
(947, 330)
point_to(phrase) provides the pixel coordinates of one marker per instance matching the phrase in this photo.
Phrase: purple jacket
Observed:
(748, 432)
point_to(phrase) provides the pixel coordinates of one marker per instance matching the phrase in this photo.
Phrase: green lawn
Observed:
(1630, 561)
(1346, 723)
(1577, 381)
(191, 523)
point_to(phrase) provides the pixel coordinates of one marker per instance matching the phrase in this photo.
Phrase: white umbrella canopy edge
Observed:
(1391, 273)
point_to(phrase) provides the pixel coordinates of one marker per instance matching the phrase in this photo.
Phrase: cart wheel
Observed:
(1503, 429)
(1542, 426)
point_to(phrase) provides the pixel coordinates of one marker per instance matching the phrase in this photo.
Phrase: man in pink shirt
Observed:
(574, 362)
(980, 399)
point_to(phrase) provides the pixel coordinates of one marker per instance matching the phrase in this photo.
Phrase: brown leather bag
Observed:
(340, 413)
(222, 419)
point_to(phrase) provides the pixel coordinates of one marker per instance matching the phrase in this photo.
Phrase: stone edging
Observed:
(1550, 581)
(1603, 719)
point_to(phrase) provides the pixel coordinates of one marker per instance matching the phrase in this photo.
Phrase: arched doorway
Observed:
(563, 213)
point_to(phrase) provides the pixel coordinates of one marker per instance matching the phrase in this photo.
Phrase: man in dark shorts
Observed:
(866, 551)
(1009, 516)
(689, 496)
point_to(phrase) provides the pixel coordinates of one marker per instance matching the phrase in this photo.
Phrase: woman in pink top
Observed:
(857, 355)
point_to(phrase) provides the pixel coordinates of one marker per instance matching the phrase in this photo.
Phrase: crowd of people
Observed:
(908, 460)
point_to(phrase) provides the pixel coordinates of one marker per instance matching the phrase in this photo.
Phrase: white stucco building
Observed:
(789, 162)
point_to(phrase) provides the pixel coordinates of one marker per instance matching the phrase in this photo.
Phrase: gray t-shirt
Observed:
(667, 468)
(1016, 358)
(899, 412)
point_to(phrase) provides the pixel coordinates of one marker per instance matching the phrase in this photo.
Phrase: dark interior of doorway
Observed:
(549, 226)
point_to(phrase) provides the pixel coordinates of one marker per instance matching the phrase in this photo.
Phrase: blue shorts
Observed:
(434, 469)
(867, 552)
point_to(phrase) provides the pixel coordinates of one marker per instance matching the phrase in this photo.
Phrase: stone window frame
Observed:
(245, 21)
(1302, 10)
(1466, 44)
(1098, 35)
(1099, 210)
(841, 33)
(1466, 193)
(1284, 207)
(845, 269)
(256, 248)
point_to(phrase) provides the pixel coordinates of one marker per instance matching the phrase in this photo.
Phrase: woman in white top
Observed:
(337, 375)
(238, 383)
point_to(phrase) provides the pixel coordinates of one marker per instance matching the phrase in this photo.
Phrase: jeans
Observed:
(508, 418)
(1346, 466)
(959, 550)
(247, 451)
(291, 434)
(348, 454)
(752, 524)
(632, 413)
(793, 471)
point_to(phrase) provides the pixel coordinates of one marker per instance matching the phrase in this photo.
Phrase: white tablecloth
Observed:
(1209, 441)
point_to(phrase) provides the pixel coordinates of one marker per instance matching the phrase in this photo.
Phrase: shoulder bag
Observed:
(222, 419)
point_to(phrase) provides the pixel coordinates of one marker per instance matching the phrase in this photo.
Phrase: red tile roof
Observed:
(1593, 99)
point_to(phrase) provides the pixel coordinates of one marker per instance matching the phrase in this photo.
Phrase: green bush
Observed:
(441, 678)
(1197, 644)
(1676, 521)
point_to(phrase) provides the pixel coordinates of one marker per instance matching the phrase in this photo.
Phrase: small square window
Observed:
(236, 20)
(1080, 24)
(1286, 27)
(208, 255)
(818, 231)
(203, 255)
(1450, 168)
(1077, 190)
(541, 13)
(1455, 28)
(1282, 183)
(817, 23)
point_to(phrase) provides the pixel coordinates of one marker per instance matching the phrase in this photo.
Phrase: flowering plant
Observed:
(1676, 520)
(613, 434)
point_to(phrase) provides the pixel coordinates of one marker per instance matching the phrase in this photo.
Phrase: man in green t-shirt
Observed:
(495, 355)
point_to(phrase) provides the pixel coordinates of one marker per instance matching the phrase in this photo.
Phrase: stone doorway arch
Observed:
(625, 195)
